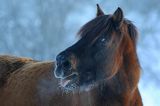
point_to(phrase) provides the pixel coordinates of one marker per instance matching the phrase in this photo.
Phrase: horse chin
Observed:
(69, 83)
(72, 83)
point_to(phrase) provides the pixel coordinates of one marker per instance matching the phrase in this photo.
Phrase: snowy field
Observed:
(42, 28)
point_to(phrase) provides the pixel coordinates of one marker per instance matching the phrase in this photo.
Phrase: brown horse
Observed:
(103, 62)
(101, 69)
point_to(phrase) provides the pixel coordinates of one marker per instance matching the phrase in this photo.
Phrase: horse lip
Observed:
(64, 82)
(70, 76)
(68, 79)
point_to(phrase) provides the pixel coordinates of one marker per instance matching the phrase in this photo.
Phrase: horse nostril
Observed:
(63, 61)
(66, 64)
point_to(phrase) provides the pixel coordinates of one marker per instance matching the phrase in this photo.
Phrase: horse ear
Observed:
(99, 11)
(118, 17)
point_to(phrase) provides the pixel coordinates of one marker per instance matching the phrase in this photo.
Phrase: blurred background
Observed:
(42, 28)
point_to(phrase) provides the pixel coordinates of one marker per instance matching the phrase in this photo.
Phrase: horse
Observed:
(101, 69)
(103, 62)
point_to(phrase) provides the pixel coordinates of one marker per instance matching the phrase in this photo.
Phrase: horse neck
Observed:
(132, 68)
(123, 85)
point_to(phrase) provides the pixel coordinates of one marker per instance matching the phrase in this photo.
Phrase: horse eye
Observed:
(103, 40)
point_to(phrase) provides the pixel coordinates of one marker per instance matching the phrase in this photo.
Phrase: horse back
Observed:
(25, 82)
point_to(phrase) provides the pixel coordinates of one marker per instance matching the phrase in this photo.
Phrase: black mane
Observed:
(93, 28)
